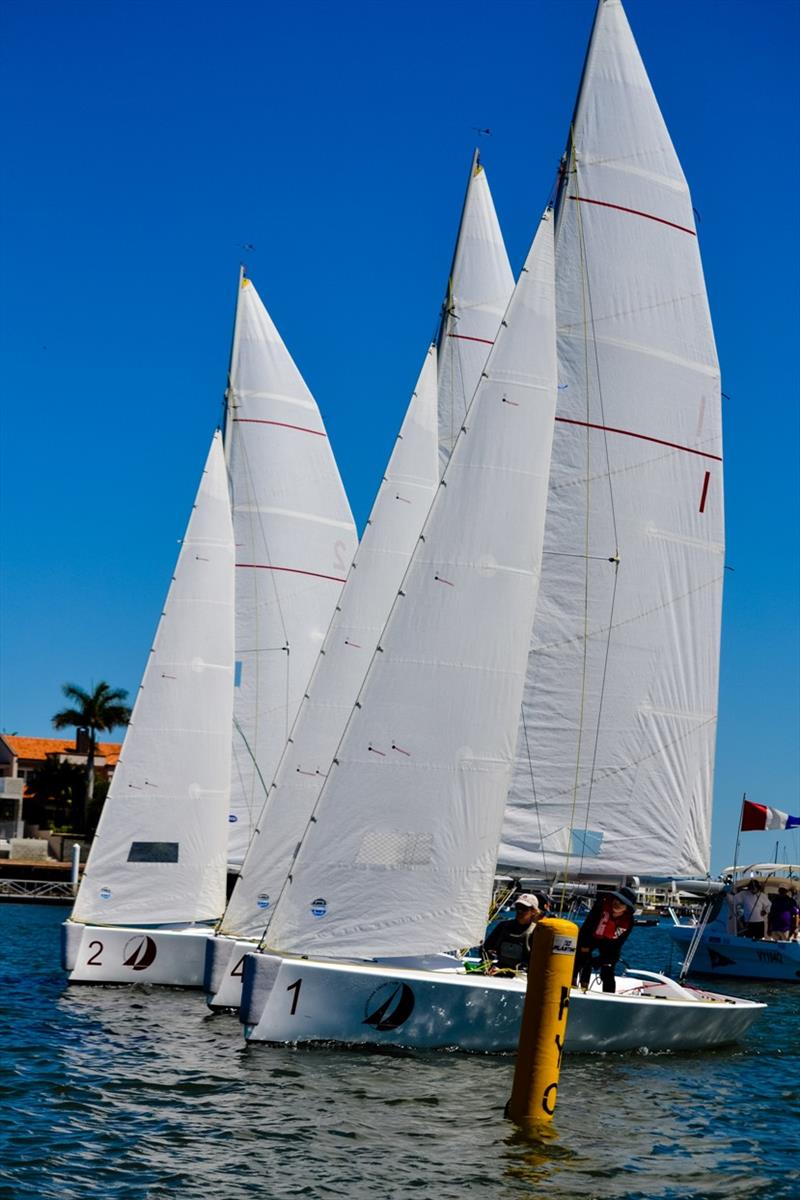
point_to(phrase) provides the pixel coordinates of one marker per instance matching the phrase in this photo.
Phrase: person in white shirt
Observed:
(754, 908)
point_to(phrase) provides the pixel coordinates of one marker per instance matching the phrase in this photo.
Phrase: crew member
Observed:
(603, 935)
(508, 946)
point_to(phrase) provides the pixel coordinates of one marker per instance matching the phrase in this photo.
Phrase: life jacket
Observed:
(610, 927)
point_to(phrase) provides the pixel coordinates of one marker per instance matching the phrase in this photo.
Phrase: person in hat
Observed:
(602, 936)
(508, 946)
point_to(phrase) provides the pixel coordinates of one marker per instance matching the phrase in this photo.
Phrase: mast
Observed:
(479, 287)
(227, 401)
(448, 299)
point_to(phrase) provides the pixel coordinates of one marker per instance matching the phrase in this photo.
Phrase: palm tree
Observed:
(95, 711)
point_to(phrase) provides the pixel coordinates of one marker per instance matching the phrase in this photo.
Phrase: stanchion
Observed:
(544, 1022)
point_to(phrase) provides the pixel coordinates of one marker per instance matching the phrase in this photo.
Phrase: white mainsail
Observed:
(616, 747)
(479, 288)
(295, 540)
(159, 855)
(399, 855)
(389, 538)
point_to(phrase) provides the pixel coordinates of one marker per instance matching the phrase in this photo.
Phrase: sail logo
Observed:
(263, 900)
(319, 908)
(105, 893)
(139, 953)
(389, 1006)
(232, 818)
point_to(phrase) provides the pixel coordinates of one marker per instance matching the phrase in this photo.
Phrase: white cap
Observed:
(526, 900)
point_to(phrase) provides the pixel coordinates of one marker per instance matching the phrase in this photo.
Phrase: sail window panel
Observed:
(153, 852)
(394, 848)
(586, 843)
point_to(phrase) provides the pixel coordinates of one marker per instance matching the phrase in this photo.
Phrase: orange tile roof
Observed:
(39, 748)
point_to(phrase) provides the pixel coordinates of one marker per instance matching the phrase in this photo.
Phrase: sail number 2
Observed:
(94, 961)
(294, 987)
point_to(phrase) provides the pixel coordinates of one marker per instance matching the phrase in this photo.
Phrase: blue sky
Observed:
(152, 141)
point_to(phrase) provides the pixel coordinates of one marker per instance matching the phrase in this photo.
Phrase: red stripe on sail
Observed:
(634, 212)
(643, 437)
(282, 424)
(463, 337)
(291, 570)
(705, 491)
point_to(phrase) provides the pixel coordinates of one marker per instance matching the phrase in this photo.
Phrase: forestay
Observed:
(159, 853)
(400, 855)
(295, 539)
(389, 538)
(615, 757)
(478, 292)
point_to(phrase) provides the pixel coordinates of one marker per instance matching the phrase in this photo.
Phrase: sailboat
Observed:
(294, 537)
(480, 283)
(160, 851)
(398, 861)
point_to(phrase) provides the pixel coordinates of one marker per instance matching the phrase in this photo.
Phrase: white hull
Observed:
(300, 1001)
(727, 956)
(105, 954)
(224, 963)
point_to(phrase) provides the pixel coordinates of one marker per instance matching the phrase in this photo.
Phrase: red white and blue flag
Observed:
(759, 816)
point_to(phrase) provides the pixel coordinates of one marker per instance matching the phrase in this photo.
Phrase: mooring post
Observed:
(76, 864)
(544, 1022)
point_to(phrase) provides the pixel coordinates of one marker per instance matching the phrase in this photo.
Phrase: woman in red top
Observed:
(603, 933)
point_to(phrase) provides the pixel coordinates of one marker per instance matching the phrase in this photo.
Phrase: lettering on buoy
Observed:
(552, 1087)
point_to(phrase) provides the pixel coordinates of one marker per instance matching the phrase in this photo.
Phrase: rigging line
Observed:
(599, 712)
(585, 651)
(255, 521)
(533, 786)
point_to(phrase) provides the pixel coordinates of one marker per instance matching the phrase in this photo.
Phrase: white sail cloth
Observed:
(295, 540)
(159, 855)
(389, 538)
(400, 855)
(616, 748)
(478, 292)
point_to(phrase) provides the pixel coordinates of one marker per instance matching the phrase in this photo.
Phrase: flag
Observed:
(759, 816)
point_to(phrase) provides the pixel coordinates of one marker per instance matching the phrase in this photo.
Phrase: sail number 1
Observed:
(294, 987)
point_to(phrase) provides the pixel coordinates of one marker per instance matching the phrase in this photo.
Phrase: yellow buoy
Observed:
(544, 1022)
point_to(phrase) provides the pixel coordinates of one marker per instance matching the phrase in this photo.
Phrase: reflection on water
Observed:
(138, 1094)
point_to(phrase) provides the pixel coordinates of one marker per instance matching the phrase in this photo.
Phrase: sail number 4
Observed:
(294, 987)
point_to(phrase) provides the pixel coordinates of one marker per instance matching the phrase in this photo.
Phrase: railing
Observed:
(36, 889)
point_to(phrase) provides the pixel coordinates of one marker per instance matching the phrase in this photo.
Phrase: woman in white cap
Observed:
(508, 946)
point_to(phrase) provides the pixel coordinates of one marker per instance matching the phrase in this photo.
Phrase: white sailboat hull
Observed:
(105, 954)
(728, 956)
(289, 1000)
(224, 964)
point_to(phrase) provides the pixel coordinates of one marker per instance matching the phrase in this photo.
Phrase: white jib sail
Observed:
(381, 560)
(400, 854)
(295, 540)
(480, 286)
(616, 749)
(159, 855)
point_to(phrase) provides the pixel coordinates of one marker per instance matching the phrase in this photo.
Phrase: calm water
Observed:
(136, 1094)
